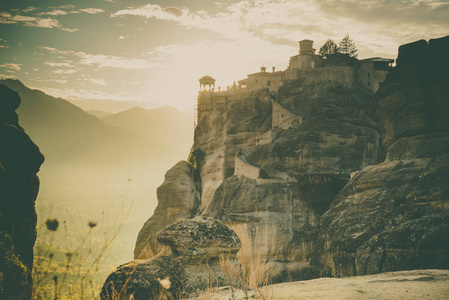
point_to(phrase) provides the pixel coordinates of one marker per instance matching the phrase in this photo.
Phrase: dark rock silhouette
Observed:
(20, 160)
(394, 215)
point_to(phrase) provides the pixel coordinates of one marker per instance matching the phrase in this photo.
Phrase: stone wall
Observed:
(291, 122)
(340, 74)
(242, 167)
(279, 114)
(271, 81)
(264, 138)
(370, 77)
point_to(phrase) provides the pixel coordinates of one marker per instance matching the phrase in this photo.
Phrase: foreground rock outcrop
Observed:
(20, 160)
(193, 265)
(395, 215)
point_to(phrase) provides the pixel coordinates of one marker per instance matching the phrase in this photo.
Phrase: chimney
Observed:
(263, 69)
(274, 69)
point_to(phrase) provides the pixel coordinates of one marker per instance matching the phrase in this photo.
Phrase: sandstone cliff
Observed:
(328, 179)
(177, 199)
(20, 160)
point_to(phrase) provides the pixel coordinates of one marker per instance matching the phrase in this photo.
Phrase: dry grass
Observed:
(208, 294)
(254, 269)
(68, 264)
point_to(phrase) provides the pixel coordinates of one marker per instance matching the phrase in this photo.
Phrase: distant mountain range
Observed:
(112, 106)
(65, 132)
(98, 113)
(166, 124)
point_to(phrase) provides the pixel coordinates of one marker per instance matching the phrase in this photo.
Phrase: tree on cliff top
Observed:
(328, 48)
(347, 46)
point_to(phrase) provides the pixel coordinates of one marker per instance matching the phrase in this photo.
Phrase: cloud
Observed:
(3, 42)
(91, 11)
(31, 8)
(58, 64)
(60, 12)
(105, 61)
(284, 22)
(59, 80)
(57, 12)
(70, 71)
(157, 12)
(6, 76)
(97, 81)
(11, 66)
(68, 6)
(7, 18)
(177, 12)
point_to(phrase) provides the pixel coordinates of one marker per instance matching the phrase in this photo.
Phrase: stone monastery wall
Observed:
(264, 138)
(340, 74)
(279, 114)
(242, 167)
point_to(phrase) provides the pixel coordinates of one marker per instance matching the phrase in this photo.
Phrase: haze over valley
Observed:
(95, 167)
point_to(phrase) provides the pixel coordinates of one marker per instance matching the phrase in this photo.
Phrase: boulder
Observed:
(196, 245)
(199, 240)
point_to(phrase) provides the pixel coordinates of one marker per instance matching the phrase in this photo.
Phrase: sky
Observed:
(155, 51)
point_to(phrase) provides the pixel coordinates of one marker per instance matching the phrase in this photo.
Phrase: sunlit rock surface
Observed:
(220, 135)
(176, 201)
(20, 160)
(302, 169)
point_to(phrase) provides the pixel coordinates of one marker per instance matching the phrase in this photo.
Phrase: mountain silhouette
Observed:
(98, 113)
(65, 132)
(165, 124)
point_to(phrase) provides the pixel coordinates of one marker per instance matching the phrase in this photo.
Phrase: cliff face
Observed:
(302, 168)
(20, 160)
(221, 134)
(395, 215)
(176, 201)
(327, 178)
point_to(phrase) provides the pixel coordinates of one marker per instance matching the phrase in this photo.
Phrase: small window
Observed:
(268, 83)
(303, 64)
(256, 81)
